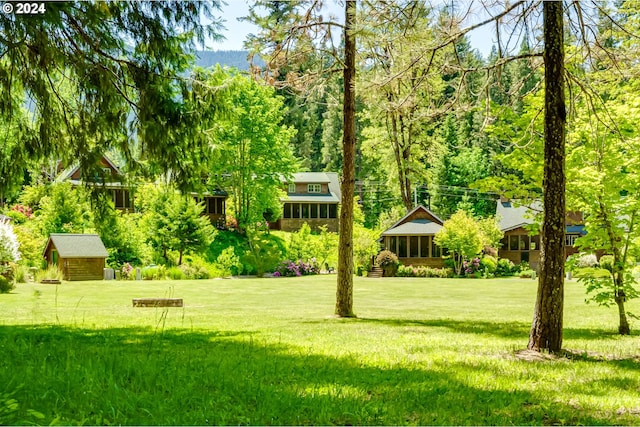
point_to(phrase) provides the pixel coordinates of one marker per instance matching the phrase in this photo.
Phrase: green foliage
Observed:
(6, 286)
(606, 262)
(527, 274)
(365, 246)
(251, 145)
(31, 243)
(422, 271)
(52, 272)
(174, 222)
(488, 266)
(125, 239)
(154, 272)
(264, 253)
(176, 273)
(462, 235)
(300, 247)
(64, 209)
(505, 267)
(85, 93)
(229, 263)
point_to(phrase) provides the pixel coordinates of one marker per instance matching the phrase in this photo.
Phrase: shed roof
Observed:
(77, 245)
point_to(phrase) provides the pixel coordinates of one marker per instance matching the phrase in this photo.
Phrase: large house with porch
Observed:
(312, 197)
(521, 242)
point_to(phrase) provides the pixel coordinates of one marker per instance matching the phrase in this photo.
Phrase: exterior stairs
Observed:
(375, 272)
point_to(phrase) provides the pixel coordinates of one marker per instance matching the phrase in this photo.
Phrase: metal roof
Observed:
(512, 216)
(78, 245)
(311, 198)
(418, 227)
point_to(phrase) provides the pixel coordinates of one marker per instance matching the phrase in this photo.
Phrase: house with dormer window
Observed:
(312, 197)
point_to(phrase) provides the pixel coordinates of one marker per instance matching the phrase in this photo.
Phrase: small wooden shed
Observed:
(78, 256)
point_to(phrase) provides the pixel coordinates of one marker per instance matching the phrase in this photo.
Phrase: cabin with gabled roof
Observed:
(412, 238)
(77, 256)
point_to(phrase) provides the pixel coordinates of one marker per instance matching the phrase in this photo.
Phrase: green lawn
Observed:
(269, 351)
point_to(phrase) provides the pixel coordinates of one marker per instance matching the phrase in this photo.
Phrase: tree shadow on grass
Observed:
(138, 376)
(497, 329)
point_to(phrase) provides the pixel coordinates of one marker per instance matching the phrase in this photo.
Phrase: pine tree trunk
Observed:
(546, 329)
(344, 293)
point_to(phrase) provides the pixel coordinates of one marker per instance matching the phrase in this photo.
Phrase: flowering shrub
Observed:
(289, 268)
(24, 210)
(127, 271)
(8, 244)
(387, 258)
(470, 267)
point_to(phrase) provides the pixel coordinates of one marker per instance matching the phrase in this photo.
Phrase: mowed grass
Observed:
(269, 352)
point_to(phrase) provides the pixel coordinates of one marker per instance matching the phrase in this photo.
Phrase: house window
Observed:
(414, 248)
(220, 205)
(392, 244)
(211, 205)
(435, 249)
(524, 243)
(291, 188)
(570, 239)
(295, 210)
(313, 212)
(287, 210)
(333, 211)
(314, 188)
(535, 243)
(305, 210)
(324, 210)
(514, 242)
(424, 246)
(402, 247)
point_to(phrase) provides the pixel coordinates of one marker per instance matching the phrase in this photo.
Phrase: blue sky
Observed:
(237, 31)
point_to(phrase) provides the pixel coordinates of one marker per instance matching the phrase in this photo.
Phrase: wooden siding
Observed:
(83, 268)
(301, 188)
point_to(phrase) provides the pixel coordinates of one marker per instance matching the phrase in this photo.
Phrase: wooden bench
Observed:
(50, 281)
(157, 302)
